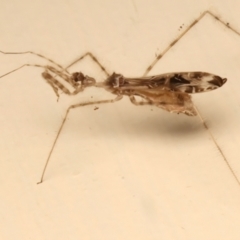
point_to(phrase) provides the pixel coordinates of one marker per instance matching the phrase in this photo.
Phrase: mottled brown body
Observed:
(168, 91)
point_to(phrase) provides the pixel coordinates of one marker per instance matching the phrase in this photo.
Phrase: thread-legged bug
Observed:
(169, 91)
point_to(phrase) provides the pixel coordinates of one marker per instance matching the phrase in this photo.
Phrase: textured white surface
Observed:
(122, 172)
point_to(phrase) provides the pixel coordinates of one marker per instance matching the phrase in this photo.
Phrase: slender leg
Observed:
(93, 58)
(24, 65)
(54, 83)
(36, 54)
(56, 64)
(51, 61)
(63, 122)
(62, 73)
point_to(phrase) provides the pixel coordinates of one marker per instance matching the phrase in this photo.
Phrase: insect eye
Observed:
(78, 77)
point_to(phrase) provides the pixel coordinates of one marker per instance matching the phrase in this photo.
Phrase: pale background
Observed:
(121, 172)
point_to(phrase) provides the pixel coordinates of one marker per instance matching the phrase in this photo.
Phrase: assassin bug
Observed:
(169, 91)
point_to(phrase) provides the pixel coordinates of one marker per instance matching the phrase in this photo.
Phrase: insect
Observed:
(169, 91)
(174, 90)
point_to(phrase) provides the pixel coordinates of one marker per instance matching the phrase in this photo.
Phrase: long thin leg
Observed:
(54, 83)
(218, 147)
(62, 73)
(36, 54)
(63, 122)
(24, 65)
(93, 58)
(55, 63)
